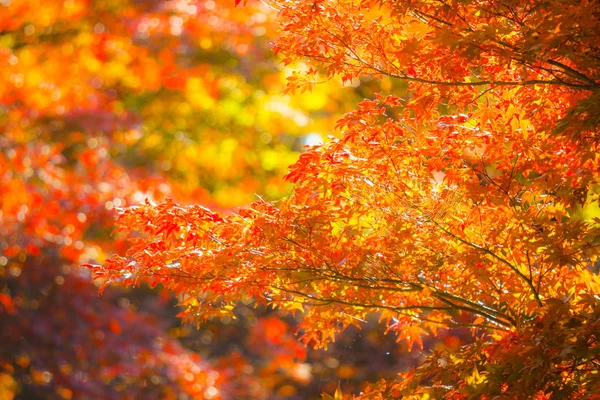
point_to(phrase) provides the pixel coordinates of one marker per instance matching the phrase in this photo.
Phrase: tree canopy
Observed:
(465, 195)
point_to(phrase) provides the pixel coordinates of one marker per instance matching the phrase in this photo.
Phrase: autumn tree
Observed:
(467, 197)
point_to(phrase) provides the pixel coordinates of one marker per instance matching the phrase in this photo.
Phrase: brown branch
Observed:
(494, 255)
(451, 306)
(572, 72)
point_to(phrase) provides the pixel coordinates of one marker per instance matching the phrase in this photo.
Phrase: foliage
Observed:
(173, 84)
(59, 340)
(469, 199)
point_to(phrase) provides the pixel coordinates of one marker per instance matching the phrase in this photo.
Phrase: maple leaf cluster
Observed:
(467, 196)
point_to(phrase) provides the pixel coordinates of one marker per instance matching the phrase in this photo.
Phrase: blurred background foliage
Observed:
(104, 104)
